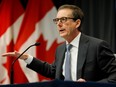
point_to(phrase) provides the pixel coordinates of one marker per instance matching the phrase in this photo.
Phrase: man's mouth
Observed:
(62, 30)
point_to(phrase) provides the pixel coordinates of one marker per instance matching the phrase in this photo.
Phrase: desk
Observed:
(59, 83)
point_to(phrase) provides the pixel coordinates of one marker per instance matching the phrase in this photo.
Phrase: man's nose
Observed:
(59, 23)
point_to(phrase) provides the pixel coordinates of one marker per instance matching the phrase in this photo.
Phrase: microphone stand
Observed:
(12, 66)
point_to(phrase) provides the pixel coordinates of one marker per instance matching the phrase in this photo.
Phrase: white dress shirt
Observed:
(74, 57)
(29, 59)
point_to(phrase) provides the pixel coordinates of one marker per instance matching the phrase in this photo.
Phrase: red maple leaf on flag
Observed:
(45, 55)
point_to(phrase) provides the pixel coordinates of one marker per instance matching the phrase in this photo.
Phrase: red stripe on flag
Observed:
(35, 11)
(7, 14)
(10, 11)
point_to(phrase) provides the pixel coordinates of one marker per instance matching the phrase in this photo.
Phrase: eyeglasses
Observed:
(62, 19)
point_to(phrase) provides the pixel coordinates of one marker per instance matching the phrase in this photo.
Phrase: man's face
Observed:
(66, 25)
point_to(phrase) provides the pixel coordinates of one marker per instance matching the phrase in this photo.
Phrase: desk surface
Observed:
(59, 83)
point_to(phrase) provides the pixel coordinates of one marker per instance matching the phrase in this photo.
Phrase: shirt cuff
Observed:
(29, 59)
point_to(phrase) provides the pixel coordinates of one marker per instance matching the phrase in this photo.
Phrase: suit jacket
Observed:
(95, 61)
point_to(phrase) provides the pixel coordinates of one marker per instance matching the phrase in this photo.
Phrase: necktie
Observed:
(68, 63)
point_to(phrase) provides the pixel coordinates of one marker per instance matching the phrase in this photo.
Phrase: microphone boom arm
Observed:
(12, 66)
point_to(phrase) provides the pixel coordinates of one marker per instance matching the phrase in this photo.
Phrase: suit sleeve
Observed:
(106, 62)
(43, 68)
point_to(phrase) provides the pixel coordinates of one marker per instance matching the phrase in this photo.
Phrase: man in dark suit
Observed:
(90, 58)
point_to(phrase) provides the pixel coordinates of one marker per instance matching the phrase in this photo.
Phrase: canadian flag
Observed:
(19, 29)
(11, 14)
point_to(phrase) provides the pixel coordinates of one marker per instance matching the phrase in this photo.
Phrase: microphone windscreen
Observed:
(37, 43)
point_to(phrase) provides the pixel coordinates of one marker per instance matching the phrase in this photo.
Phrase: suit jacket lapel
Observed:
(83, 44)
(60, 61)
(62, 54)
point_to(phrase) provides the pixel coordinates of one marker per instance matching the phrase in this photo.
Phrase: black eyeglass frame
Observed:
(62, 19)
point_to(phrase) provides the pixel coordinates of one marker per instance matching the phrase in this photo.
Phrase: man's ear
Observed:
(78, 22)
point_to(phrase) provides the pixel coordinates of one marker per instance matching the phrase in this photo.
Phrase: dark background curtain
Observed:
(99, 18)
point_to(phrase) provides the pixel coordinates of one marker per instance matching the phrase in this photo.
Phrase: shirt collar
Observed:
(75, 41)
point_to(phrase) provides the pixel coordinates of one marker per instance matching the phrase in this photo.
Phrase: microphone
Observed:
(12, 66)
